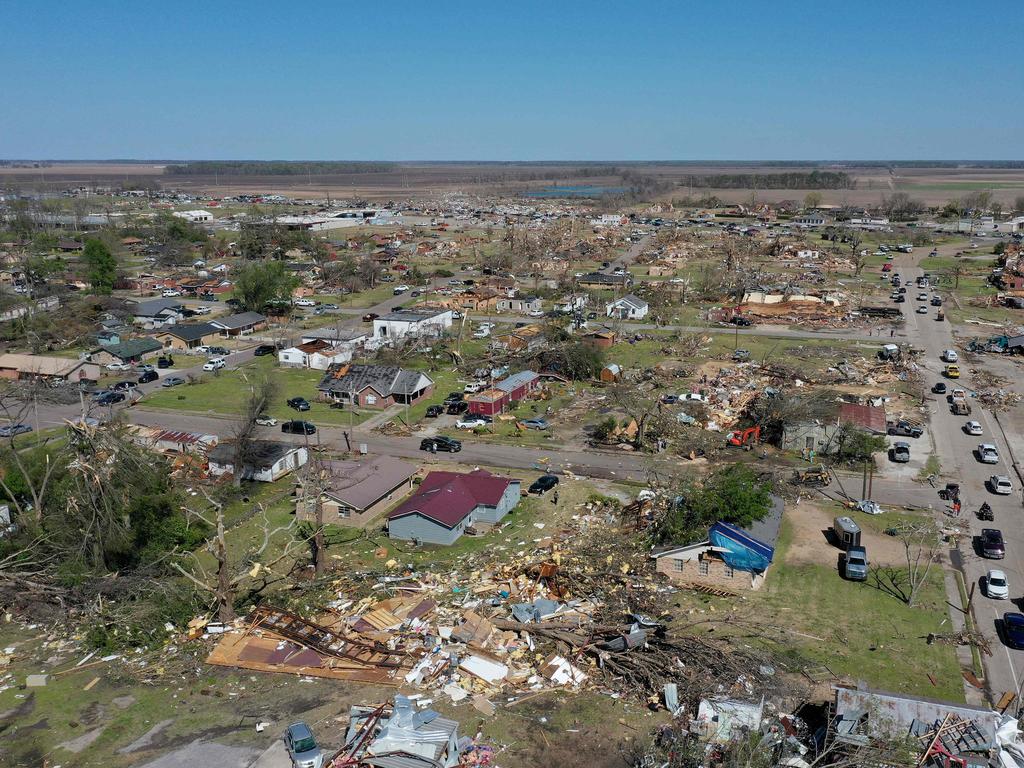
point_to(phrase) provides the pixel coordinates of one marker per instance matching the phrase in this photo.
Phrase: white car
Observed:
(950, 356)
(536, 313)
(118, 367)
(470, 422)
(1000, 485)
(988, 454)
(400, 288)
(304, 303)
(214, 364)
(481, 333)
(973, 428)
(170, 293)
(266, 421)
(473, 387)
(922, 310)
(202, 309)
(996, 586)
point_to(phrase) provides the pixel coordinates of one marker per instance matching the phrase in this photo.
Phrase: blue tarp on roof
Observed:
(742, 551)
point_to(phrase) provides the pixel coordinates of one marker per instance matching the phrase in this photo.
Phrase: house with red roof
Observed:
(448, 503)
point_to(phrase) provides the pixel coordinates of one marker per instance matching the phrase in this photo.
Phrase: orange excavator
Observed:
(744, 438)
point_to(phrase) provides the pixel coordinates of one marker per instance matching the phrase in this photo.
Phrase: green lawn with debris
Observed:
(857, 630)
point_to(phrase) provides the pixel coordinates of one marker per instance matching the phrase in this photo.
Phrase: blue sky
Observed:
(903, 79)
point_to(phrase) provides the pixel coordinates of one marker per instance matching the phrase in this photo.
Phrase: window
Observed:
(704, 568)
(677, 566)
(729, 572)
(371, 399)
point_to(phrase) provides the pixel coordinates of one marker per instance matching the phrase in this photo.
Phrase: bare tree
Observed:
(922, 542)
(230, 575)
(262, 391)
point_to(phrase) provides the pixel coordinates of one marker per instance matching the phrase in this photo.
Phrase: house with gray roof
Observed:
(240, 324)
(628, 307)
(185, 336)
(157, 313)
(356, 492)
(374, 386)
(262, 460)
(129, 351)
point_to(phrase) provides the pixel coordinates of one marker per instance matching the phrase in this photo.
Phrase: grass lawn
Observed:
(223, 393)
(860, 631)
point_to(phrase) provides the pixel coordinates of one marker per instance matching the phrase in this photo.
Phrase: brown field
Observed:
(423, 179)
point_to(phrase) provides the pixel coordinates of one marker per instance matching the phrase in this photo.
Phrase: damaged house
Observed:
(821, 436)
(374, 386)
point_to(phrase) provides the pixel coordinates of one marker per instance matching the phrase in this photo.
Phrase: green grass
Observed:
(931, 467)
(224, 393)
(865, 634)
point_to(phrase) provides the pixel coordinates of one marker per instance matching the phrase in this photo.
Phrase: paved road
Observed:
(1005, 668)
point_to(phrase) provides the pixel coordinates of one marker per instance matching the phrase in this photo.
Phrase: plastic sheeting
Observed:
(739, 549)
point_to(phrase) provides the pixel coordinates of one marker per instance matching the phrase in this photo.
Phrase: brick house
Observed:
(185, 336)
(359, 491)
(374, 386)
(730, 559)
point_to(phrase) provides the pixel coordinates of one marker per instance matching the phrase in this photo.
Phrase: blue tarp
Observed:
(742, 551)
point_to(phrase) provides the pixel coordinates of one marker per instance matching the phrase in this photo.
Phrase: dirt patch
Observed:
(810, 545)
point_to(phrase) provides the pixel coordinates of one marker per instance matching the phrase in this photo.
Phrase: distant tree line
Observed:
(276, 168)
(790, 180)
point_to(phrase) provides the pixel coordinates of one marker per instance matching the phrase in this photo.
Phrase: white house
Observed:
(402, 323)
(609, 220)
(157, 313)
(574, 302)
(194, 217)
(628, 307)
(317, 354)
(809, 220)
(265, 460)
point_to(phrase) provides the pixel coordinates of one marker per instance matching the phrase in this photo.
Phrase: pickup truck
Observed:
(855, 564)
(904, 428)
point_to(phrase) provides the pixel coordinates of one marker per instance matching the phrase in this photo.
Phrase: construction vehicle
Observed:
(744, 438)
(816, 476)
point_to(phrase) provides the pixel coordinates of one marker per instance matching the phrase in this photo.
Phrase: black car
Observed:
(235, 303)
(165, 362)
(124, 386)
(900, 299)
(455, 397)
(264, 349)
(433, 411)
(1013, 630)
(109, 398)
(992, 546)
(299, 403)
(939, 388)
(298, 427)
(741, 322)
(218, 351)
(543, 484)
(148, 376)
(458, 408)
(440, 443)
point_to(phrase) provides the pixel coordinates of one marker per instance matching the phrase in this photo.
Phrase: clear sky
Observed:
(522, 80)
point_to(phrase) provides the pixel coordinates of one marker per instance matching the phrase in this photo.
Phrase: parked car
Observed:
(10, 430)
(164, 362)
(214, 364)
(172, 381)
(454, 397)
(939, 388)
(109, 398)
(304, 303)
(471, 422)
(124, 386)
(433, 411)
(302, 747)
(988, 454)
(992, 545)
(904, 428)
(1013, 630)
(996, 585)
(266, 421)
(952, 371)
(473, 387)
(264, 349)
(118, 367)
(457, 407)
(203, 349)
(950, 356)
(171, 293)
(369, 317)
(440, 443)
(973, 428)
(202, 309)
(936, 301)
(855, 564)
(1000, 485)
(900, 452)
(219, 351)
(299, 403)
(147, 376)
(298, 427)
(399, 289)
(538, 423)
(542, 484)
(145, 368)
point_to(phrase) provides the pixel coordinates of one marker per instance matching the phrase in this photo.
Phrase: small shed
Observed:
(611, 373)
(489, 402)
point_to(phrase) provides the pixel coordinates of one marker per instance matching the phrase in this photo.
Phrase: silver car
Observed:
(172, 381)
(302, 747)
(988, 454)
